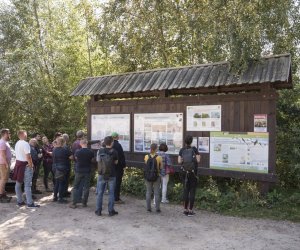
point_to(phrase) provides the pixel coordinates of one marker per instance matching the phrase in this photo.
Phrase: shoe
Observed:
(185, 212)
(119, 202)
(54, 199)
(5, 199)
(165, 201)
(72, 206)
(62, 201)
(33, 205)
(112, 213)
(158, 210)
(20, 204)
(190, 214)
(84, 205)
(149, 210)
(36, 192)
(98, 213)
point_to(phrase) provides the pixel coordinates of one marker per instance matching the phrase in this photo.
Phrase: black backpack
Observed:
(105, 161)
(188, 158)
(151, 171)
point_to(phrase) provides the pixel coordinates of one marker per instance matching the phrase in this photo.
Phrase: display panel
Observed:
(158, 128)
(104, 125)
(260, 123)
(247, 152)
(203, 118)
(203, 144)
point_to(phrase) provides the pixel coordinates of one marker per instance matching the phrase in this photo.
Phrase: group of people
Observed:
(109, 160)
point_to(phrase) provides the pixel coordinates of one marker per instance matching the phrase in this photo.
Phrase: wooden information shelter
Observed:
(171, 90)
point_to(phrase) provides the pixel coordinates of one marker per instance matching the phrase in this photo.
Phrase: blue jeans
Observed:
(101, 184)
(81, 180)
(27, 186)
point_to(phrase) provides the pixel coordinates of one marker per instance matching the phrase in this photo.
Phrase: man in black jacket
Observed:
(120, 167)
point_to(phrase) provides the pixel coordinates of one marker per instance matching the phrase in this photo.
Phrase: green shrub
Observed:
(133, 182)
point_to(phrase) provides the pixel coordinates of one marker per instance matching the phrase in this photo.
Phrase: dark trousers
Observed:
(82, 180)
(189, 190)
(35, 175)
(59, 188)
(68, 173)
(119, 176)
(47, 170)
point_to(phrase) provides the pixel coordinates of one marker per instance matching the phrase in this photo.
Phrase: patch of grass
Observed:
(226, 196)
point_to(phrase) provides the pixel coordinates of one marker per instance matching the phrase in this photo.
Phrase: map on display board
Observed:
(247, 152)
(104, 125)
(158, 128)
(203, 118)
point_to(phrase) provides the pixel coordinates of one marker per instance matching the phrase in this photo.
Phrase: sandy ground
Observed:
(56, 226)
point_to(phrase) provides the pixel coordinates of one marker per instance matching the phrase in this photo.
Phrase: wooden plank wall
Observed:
(237, 116)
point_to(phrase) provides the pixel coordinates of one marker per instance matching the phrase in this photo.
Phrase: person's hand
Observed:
(40, 156)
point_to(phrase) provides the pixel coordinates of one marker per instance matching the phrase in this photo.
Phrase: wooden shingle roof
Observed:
(273, 69)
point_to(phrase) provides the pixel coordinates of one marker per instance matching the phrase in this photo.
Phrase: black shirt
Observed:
(84, 158)
(196, 153)
(121, 161)
(61, 157)
(114, 155)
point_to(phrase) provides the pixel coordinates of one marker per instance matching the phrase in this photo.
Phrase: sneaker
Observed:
(119, 202)
(98, 213)
(190, 214)
(54, 199)
(112, 213)
(72, 206)
(20, 204)
(36, 192)
(149, 210)
(158, 210)
(62, 201)
(165, 201)
(185, 212)
(33, 205)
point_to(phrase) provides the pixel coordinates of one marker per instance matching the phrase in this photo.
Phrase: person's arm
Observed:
(3, 155)
(198, 156)
(29, 160)
(180, 159)
(146, 158)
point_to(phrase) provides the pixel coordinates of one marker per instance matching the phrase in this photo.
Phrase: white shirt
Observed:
(22, 148)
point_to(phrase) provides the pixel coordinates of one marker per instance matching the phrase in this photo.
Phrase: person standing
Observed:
(163, 148)
(37, 163)
(120, 166)
(84, 157)
(5, 159)
(23, 170)
(66, 146)
(61, 157)
(47, 162)
(107, 159)
(189, 157)
(151, 173)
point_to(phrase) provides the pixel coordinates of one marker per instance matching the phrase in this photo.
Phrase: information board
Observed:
(247, 152)
(104, 125)
(158, 128)
(203, 118)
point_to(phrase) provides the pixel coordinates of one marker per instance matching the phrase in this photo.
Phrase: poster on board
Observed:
(260, 123)
(248, 152)
(158, 128)
(203, 118)
(104, 125)
(203, 144)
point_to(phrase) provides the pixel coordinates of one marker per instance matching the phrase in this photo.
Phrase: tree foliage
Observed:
(48, 46)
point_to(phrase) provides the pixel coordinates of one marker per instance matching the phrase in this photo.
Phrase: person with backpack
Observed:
(151, 174)
(107, 159)
(189, 158)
